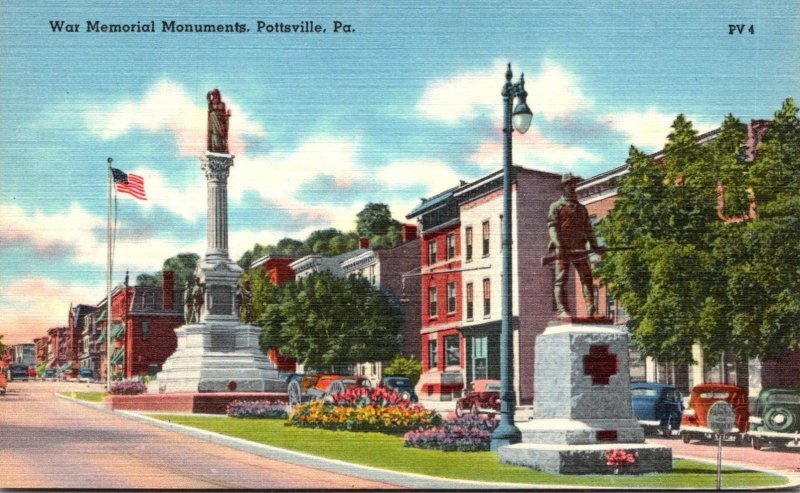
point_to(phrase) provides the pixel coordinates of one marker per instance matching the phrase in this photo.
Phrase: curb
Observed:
(401, 480)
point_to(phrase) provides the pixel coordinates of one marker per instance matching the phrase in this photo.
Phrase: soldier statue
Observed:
(572, 239)
(218, 115)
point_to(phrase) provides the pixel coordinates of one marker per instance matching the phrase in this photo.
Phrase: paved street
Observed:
(47, 442)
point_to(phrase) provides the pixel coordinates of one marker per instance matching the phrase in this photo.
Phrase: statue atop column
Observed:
(218, 115)
(572, 239)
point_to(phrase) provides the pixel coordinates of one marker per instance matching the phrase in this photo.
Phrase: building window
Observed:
(431, 252)
(468, 241)
(485, 238)
(487, 298)
(372, 278)
(452, 351)
(451, 297)
(611, 308)
(470, 301)
(480, 366)
(432, 308)
(145, 329)
(451, 246)
(433, 361)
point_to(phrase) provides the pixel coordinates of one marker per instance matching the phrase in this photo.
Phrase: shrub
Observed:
(405, 367)
(128, 387)
(257, 409)
(469, 433)
(363, 417)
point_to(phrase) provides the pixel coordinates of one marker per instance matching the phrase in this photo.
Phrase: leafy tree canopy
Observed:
(373, 222)
(692, 277)
(182, 264)
(326, 320)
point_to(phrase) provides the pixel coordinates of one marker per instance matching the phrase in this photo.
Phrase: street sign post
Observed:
(721, 418)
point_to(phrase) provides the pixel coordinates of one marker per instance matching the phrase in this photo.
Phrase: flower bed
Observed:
(469, 433)
(128, 387)
(364, 409)
(257, 409)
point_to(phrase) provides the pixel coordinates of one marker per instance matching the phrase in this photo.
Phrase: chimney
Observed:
(168, 290)
(409, 232)
(363, 243)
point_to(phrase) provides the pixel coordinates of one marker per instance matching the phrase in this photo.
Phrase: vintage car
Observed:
(85, 375)
(304, 388)
(694, 423)
(482, 396)
(401, 385)
(776, 419)
(3, 381)
(50, 374)
(658, 407)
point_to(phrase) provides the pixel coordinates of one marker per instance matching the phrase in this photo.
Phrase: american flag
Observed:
(129, 183)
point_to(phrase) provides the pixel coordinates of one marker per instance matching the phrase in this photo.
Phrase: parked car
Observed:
(3, 381)
(49, 374)
(32, 373)
(320, 385)
(18, 371)
(658, 407)
(482, 396)
(85, 375)
(694, 423)
(776, 419)
(401, 385)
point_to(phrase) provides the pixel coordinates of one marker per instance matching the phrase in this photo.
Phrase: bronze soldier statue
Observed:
(571, 240)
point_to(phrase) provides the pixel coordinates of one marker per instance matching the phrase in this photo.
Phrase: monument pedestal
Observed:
(219, 357)
(582, 406)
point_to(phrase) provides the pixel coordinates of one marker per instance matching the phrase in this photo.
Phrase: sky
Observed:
(400, 105)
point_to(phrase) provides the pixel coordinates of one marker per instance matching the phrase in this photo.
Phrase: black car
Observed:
(402, 385)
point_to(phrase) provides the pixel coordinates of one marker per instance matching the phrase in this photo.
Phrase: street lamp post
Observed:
(507, 433)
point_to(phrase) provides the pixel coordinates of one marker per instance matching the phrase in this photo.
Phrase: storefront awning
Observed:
(101, 337)
(116, 357)
(102, 315)
(116, 330)
(66, 366)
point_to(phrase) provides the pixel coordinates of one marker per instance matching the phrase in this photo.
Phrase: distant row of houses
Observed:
(446, 276)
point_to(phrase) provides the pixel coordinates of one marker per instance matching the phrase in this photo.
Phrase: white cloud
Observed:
(534, 150)
(553, 92)
(167, 107)
(80, 237)
(188, 203)
(33, 305)
(649, 129)
(431, 175)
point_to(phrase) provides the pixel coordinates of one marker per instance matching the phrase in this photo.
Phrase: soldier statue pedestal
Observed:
(582, 405)
(217, 353)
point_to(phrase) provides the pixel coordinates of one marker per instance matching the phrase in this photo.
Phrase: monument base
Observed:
(586, 459)
(219, 357)
(582, 406)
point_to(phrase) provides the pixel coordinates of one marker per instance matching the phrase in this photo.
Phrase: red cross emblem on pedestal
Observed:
(600, 364)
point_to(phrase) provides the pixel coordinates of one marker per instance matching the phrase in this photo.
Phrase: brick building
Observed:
(461, 269)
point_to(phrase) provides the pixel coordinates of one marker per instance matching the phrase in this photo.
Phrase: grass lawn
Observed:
(86, 396)
(388, 452)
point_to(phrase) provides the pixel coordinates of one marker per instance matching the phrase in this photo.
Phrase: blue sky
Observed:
(401, 108)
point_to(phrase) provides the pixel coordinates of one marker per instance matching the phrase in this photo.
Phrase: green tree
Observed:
(689, 273)
(405, 367)
(325, 320)
(2, 346)
(374, 219)
(182, 264)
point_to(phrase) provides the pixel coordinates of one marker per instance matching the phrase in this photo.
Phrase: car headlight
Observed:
(689, 412)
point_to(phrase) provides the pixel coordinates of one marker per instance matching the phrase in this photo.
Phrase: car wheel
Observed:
(336, 388)
(685, 437)
(459, 410)
(780, 419)
(756, 443)
(294, 394)
(405, 395)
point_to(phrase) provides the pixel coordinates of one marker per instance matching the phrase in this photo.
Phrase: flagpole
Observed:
(109, 268)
